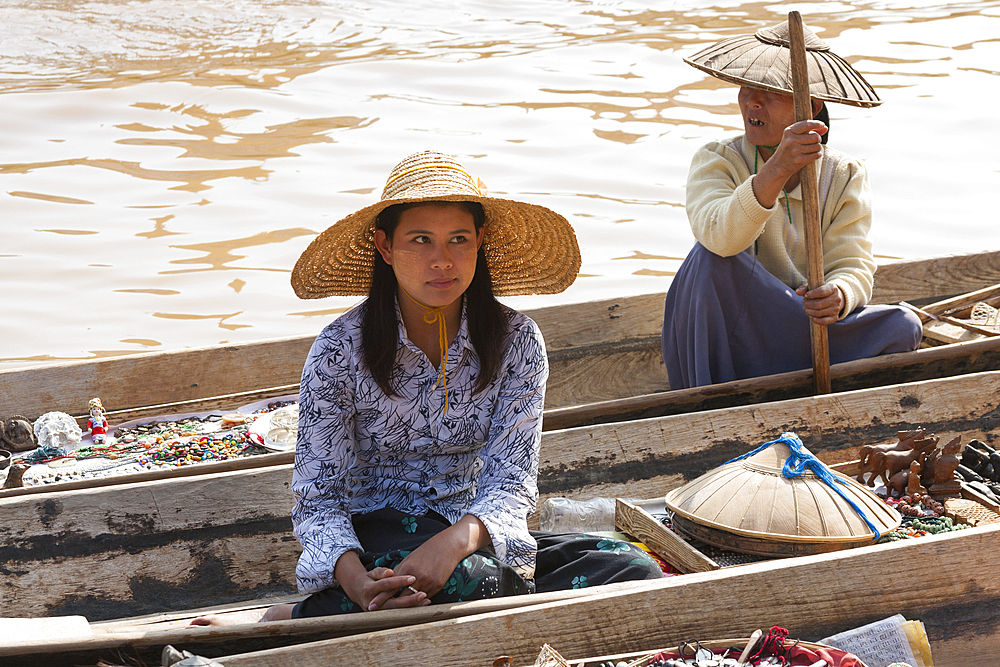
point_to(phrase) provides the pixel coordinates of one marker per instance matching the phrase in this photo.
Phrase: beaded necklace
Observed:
(788, 207)
(150, 446)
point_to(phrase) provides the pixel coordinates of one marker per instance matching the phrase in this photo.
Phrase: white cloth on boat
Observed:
(360, 450)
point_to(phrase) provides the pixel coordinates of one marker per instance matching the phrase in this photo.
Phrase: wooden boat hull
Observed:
(598, 351)
(943, 581)
(610, 350)
(131, 549)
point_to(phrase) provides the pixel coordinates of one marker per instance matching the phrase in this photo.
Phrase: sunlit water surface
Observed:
(164, 163)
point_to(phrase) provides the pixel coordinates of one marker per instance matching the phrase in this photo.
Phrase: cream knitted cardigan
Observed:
(727, 219)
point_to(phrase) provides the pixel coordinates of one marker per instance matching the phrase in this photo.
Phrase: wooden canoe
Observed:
(142, 548)
(598, 351)
(825, 595)
(947, 582)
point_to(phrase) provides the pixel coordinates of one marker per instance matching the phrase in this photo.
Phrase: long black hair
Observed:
(487, 318)
(823, 115)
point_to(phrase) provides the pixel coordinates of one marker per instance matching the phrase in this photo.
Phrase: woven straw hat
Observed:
(751, 505)
(530, 249)
(763, 61)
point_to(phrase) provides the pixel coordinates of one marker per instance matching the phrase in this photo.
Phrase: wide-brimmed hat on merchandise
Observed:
(529, 249)
(763, 61)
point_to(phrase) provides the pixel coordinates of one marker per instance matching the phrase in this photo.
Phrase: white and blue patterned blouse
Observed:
(359, 450)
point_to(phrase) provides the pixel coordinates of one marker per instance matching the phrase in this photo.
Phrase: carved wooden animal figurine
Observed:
(927, 474)
(930, 465)
(16, 434)
(14, 476)
(945, 485)
(897, 483)
(887, 464)
(904, 442)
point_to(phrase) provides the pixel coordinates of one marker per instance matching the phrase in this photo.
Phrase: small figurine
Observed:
(97, 425)
(944, 484)
(905, 440)
(904, 481)
(913, 486)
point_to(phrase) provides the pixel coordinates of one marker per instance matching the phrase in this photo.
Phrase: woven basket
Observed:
(751, 507)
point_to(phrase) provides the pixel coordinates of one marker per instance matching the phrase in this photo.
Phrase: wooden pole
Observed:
(810, 202)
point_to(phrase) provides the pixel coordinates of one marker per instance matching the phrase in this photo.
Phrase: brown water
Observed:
(164, 163)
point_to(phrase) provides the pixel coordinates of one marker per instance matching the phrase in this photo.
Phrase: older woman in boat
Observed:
(738, 307)
(420, 410)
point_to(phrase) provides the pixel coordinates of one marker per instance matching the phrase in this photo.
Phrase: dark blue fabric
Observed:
(727, 318)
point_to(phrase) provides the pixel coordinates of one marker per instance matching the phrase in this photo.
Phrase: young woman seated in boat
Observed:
(738, 307)
(420, 410)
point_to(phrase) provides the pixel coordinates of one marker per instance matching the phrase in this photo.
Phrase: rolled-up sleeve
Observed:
(324, 453)
(507, 489)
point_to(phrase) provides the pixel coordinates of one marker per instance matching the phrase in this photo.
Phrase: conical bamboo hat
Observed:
(763, 60)
(754, 498)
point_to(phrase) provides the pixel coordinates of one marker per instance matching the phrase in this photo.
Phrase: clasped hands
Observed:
(419, 576)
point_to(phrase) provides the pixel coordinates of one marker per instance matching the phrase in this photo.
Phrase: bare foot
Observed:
(230, 618)
(278, 612)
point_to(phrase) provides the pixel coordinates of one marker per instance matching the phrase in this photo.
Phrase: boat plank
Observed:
(605, 371)
(974, 356)
(603, 321)
(141, 634)
(153, 378)
(633, 520)
(963, 301)
(628, 318)
(948, 333)
(936, 277)
(204, 468)
(959, 605)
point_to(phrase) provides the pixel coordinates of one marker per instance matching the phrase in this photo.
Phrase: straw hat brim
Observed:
(749, 60)
(530, 249)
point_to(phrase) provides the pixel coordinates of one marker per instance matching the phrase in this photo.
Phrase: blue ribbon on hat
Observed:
(799, 460)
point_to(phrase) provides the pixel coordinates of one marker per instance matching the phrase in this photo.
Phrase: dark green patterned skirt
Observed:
(563, 561)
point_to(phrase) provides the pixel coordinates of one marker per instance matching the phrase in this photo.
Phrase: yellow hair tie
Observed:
(437, 315)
